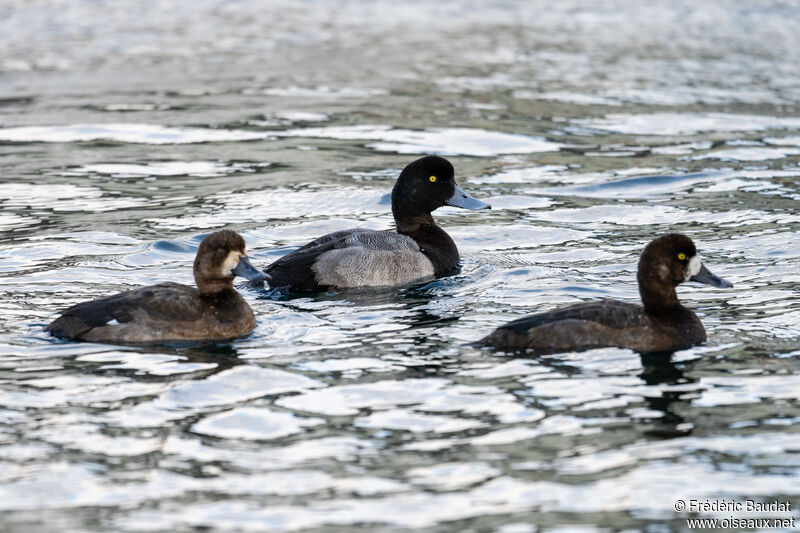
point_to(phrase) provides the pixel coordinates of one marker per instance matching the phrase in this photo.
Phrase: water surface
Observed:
(129, 131)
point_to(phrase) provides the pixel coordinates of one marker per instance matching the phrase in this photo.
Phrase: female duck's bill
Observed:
(245, 269)
(661, 324)
(698, 272)
(171, 311)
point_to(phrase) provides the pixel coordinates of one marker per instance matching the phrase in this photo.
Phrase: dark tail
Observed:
(482, 343)
(67, 326)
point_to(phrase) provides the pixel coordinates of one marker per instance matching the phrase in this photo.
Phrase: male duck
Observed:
(361, 257)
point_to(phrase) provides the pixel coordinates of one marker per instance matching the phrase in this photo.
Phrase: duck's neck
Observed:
(408, 225)
(211, 287)
(433, 241)
(659, 299)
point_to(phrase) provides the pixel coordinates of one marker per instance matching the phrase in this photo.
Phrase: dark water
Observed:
(129, 130)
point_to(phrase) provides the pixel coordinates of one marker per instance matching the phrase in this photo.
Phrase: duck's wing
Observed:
(607, 313)
(606, 323)
(296, 270)
(165, 301)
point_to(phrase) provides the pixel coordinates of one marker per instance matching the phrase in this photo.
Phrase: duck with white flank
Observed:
(369, 258)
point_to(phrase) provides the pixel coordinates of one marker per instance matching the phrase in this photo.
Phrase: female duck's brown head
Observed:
(220, 258)
(667, 262)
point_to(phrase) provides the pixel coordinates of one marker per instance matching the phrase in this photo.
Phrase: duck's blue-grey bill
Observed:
(461, 199)
(705, 276)
(246, 270)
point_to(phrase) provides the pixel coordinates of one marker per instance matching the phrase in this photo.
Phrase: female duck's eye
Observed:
(682, 256)
(220, 252)
(432, 179)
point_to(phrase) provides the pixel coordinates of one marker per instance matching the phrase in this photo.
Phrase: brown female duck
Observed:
(171, 311)
(660, 324)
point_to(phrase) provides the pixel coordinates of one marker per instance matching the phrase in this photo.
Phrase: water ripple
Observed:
(590, 128)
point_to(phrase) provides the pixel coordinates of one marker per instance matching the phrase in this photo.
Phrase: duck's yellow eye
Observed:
(681, 256)
(432, 179)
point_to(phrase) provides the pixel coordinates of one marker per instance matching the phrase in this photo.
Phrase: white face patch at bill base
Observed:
(112, 322)
(694, 267)
(231, 262)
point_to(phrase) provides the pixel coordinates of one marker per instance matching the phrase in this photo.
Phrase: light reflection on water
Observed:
(368, 409)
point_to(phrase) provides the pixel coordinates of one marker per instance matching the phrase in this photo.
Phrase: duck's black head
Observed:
(667, 262)
(426, 185)
(221, 257)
